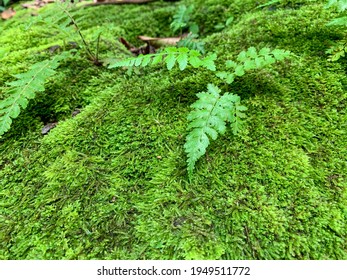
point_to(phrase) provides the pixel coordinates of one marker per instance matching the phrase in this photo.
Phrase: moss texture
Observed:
(111, 183)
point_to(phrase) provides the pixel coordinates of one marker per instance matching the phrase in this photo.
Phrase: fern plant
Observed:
(25, 88)
(63, 20)
(213, 110)
(183, 56)
(29, 83)
(208, 119)
(182, 21)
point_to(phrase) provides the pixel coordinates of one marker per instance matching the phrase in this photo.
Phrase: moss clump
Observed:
(111, 183)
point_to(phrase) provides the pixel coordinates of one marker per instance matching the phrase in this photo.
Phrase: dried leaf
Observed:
(7, 14)
(159, 42)
(37, 4)
(147, 49)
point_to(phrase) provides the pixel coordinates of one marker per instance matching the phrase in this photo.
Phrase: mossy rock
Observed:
(111, 182)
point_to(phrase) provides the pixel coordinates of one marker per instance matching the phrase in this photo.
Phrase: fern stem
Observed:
(89, 52)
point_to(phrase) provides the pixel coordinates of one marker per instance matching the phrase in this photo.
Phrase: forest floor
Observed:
(111, 182)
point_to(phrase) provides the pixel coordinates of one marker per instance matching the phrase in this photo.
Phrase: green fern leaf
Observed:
(55, 20)
(250, 60)
(157, 59)
(138, 60)
(227, 76)
(239, 70)
(208, 120)
(236, 121)
(242, 57)
(181, 18)
(252, 52)
(170, 61)
(280, 54)
(208, 62)
(222, 74)
(230, 64)
(146, 60)
(24, 88)
(269, 59)
(182, 60)
(259, 62)
(194, 58)
(264, 51)
(249, 65)
(183, 56)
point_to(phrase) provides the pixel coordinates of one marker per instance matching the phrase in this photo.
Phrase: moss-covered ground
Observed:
(111, 183)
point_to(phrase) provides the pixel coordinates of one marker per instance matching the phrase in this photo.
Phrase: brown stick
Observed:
(119, 2)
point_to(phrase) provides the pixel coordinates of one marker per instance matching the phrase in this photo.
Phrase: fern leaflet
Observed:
(183, 56)
(250, 60)
(25, 88)
(55, 20)
(208, 119)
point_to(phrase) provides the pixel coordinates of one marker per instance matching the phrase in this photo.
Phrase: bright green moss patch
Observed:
(111, 183)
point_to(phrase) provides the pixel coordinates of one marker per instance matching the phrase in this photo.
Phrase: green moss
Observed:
(111, 182)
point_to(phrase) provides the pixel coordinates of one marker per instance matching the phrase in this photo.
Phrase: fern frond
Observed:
(55, 20)
(208, 119)
(172, 55)
(25, 88)
(181, 18)
(250, 60)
